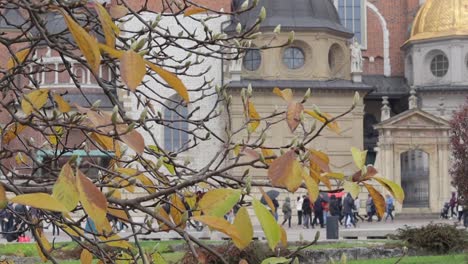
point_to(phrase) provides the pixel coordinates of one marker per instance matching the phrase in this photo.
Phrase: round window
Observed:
(439, 65)
(252, 60)
(293, 58)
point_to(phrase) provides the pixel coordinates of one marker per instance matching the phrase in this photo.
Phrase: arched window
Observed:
(293, 58)
(176, 125)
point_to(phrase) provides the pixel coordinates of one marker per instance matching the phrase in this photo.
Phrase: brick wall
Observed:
(399, 15)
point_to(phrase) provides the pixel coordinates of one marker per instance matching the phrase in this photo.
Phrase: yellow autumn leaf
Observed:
(63, 106)
(20, 56)
(237, 150)
(65, 190)
(21, 159)
(395, 189)
(219, 201)
(379, 200)
(284, 237)
(352, 188)
(34, 100)
(268, 153)
(172, 80)
(44, 242)
(54, 139)
(268, 200)
(119, 213)
(254, 117)
(86, 257)
(93, 201)
(109, 28)
(132, 69)
(312, 186)
(3, 198)
(107, 143)
(270, 227)
(323, 117)
(244, 226)
(359, 157)
(12, 131)
(40, 201)
(159, 211)
(177, 211)
(286, 94)
(112, 52)
(116, 241)
(193, 10)
(87, 43)
(220, 224)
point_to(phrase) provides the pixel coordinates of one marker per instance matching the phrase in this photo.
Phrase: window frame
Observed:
(363, 7)
(43, 154)
(445, 60)
(294, 48)
(172, 112)
(251, 60)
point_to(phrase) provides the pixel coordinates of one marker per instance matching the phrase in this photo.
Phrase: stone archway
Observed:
(415, 178)
(413, 152)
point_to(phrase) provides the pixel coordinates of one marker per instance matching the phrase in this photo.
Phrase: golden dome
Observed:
(441, 18)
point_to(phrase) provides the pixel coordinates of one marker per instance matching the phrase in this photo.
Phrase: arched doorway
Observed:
(415, 178)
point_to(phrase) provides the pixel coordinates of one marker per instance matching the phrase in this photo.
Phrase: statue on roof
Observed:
(356, 57)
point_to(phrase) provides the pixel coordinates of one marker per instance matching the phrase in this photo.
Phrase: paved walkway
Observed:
(364, 230)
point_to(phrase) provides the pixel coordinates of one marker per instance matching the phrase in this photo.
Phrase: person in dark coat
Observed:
(276, 204)
(287, 211)
(318, 212)
(453, 205)
(334, 206)
(307, 211)
(348, 206)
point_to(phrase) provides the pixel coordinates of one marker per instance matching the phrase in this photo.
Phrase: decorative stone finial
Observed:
(413, 100)
(385, 114)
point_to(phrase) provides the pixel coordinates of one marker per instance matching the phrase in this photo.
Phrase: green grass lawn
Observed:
(445, 259)
(29, 250)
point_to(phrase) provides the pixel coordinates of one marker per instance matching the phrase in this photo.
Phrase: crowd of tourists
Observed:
(343, 206)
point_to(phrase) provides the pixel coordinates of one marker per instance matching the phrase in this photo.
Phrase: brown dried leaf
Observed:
(378, 199)
(93, 201)
(286, 171)
(293, 116)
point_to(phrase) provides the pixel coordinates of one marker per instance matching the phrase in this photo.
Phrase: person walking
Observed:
(287, 211)
(276, 204)
(318, 212)
(460, 211)
(348, 205)
(369, 210)
(453, 203)
(307, 211)
(389, 206)
(334, 206)
(357, 206)
(299, 202)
